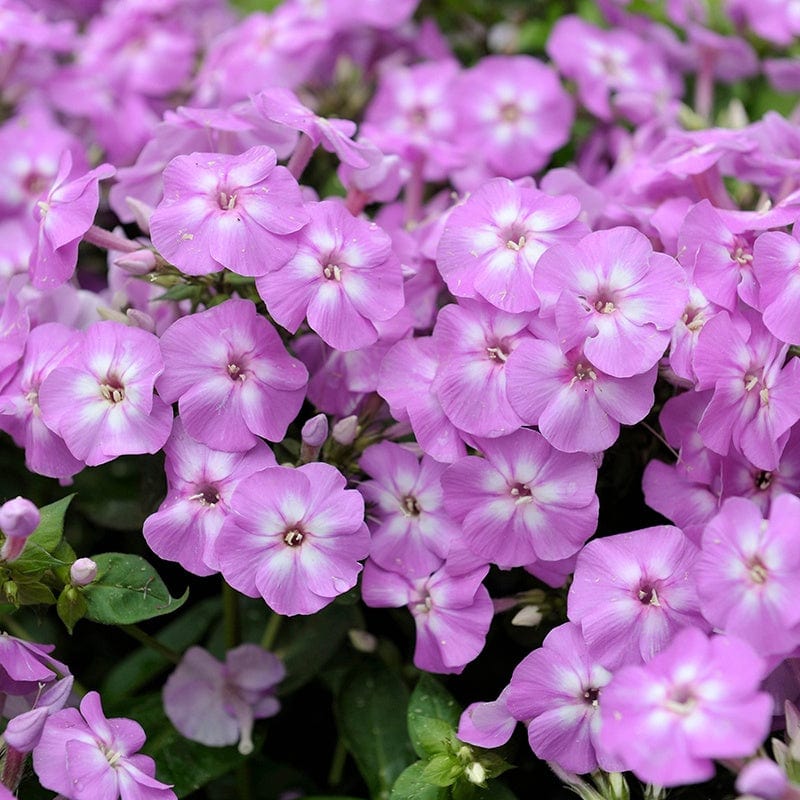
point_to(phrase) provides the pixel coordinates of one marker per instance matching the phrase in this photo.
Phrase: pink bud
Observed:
(19, 518)
(139, 262)
(345, 430)
(82, 572)
(762, 778)
(315, 431)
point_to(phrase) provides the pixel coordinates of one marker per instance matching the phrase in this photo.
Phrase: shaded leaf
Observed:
(433, 714)
(412, 785)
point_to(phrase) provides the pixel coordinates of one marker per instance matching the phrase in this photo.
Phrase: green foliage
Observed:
(127, 590)
(71, 606)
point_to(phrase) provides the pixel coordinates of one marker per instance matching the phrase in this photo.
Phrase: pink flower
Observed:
(215, 703)
(65, 214)
(632, 592)
(748, 573)
(99, 399)
(612, 294)
(343, 278)
(231, 377)
(696, 701)
(491, 243)
(200, 483)
(295, 537)
(558, 691)
(775, 259)
(222, 211)
(487, 724)
(85, 756)
(523, 501)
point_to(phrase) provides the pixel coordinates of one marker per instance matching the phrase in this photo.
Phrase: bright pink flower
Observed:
(231, 376)
(487, 724)
(491, 243)
(65, 214)
(558, 691)
(696, 701)
(85, 756)
(222, 211)
(632, 592)
(99, 399)
(748, 573)
(686, 332)
(295, 537)
(523, 501)
(452, 611)
(577, 406)
(775, 259)
(200, 483)
(612, 294)
(343, 278)
(215, 703)
(411, 532)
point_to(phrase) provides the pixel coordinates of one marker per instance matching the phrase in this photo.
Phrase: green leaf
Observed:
(182, 291)
(132, 673)
(34, 594)
(71, 606)
(51, 526)
(412, 785)
(442, 770)
(127, 590)
(433, 713)
(370, 709)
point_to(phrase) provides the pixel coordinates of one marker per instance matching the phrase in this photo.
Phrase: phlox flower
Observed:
(200, 483)
(231, 376)
(99, 399)
(473, 341)
(23, 665)
(29, 713)
(487, 724)
(451, 608)
(577, 406)
(775, 259)
(491, 243)
(295, 537)
(748, 573)
(756, 397)
(20, 415)
(632, 592)
(523, 501)
(557, 691)
(612, 294)
(686, 331)
(82, 755)
(411, 532)
(14, 327)
(234, 211)
(343, 279)
(65, 213)
(696, 701)
(215, 703)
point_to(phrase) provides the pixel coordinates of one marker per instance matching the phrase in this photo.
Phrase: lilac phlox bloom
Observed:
(696, 701)
(577, 406)
(491, 243)
(231, 376)
(775, 259)
(30, 713)
(775, 20)
(100, 400)
(295, 537)
(218, 211)
(14, 327)
(19, 518)
(200, 483)
(756, 397)
(20, 415)
(473, 341)
(335, 135)
(452, 611)
(65, 213)
(24, 665)
(632, 593)
(411, 532)
(557, 691)
(524, 500)
(343, 278)
(513, 114)
(686, 332)
(85, 756)
(749, 572)
(405, 379)
(215, 703)
(487, 724)
(763, 778)
(612, 294)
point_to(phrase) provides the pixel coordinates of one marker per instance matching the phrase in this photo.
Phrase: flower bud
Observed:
(82, 572)
(345, 430)
(475, 773)
(762, 778)
(19, 518)
(139, 262)
(315, 431)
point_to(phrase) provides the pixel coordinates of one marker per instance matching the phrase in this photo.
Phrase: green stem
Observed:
(271, 631)
(337, 764)
(147, 640)
(243, 781)
(232, 617)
